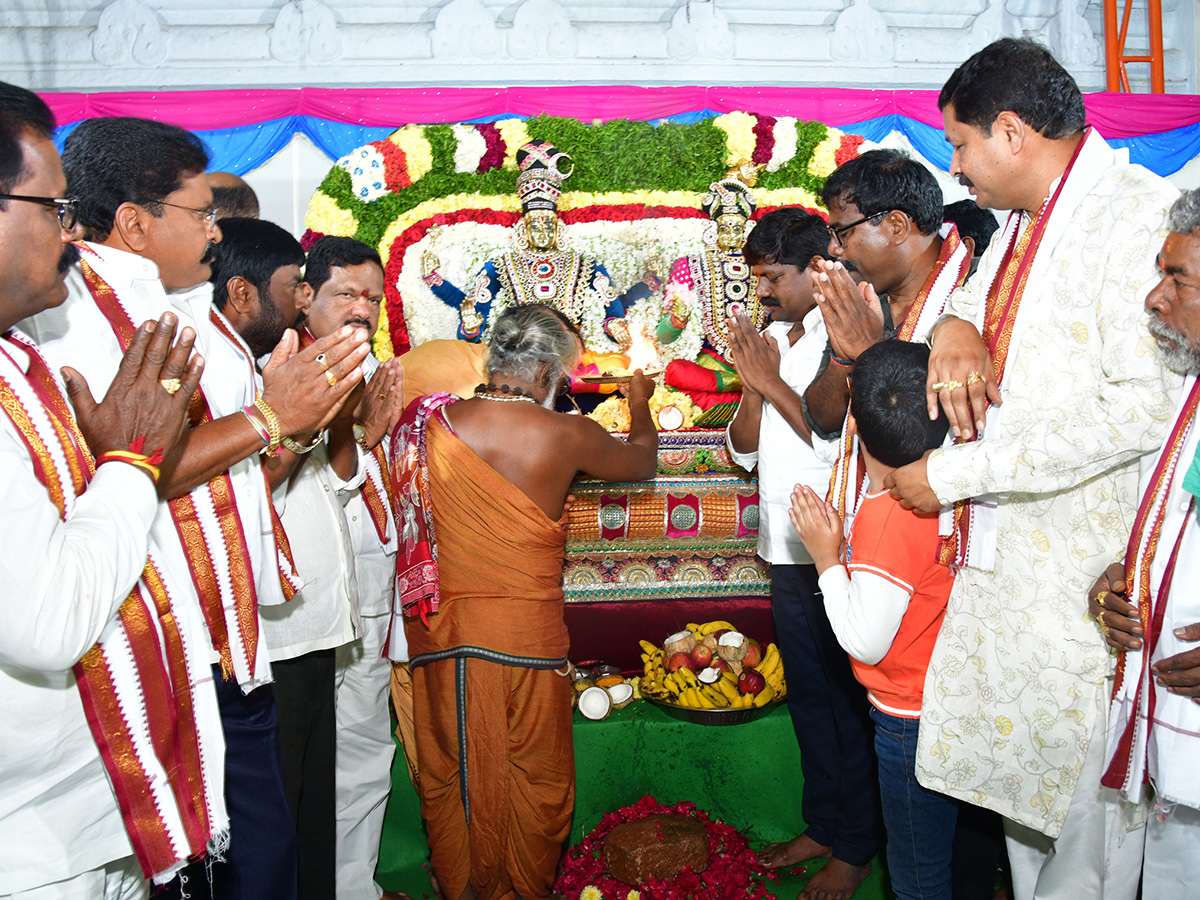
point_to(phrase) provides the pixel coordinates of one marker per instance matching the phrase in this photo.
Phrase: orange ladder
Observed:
(1114, 47)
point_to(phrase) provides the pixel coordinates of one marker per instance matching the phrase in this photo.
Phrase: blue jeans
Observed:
(919, 822)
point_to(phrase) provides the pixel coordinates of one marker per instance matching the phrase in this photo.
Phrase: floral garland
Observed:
(734, 871)
(402, 194)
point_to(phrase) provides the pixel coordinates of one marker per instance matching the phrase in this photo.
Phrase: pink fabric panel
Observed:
(1131, 115)
(611, 102)
(399, 106)
(1115, 115)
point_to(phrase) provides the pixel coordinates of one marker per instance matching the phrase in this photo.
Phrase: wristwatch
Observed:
(290, 443)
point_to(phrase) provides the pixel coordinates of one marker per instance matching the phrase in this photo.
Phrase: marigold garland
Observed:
(734, 871)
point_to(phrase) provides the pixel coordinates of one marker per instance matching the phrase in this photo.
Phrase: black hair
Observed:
(887, 398)
(126, 160)
(882, 180)
(788, 237)
(22, 113)
(973, 222)
(332, 251)
(235, 201)
(1022, 77)
(255, 250)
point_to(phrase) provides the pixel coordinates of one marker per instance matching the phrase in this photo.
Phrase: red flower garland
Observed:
(848, 148)
(494, 157)
(734, 871)
(764, 140)
(395, 165)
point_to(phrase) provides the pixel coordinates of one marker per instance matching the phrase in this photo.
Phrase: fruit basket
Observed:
(712, 674)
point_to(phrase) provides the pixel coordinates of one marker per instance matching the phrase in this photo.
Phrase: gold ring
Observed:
(939, 386)
(321, 360)
(1103, 625)
(973, 378)
(1100, 599)
(330, 377)
(171, 385)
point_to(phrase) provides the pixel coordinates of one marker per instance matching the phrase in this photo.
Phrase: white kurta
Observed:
(63, 581)
(785, 459)
(364, 735)
(1171, 729)
(78, 335)
(1017, 678)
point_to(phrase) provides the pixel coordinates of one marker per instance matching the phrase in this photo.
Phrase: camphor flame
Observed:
(642, 354)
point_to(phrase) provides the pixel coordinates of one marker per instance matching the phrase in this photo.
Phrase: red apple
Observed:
(753, 653)
(751, 682)
(720, 665)
(702, 656)
(678, 661)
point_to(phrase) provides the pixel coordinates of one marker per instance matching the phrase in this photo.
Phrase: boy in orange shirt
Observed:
(886, 597)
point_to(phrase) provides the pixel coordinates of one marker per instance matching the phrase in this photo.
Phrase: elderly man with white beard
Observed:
(1148, 605)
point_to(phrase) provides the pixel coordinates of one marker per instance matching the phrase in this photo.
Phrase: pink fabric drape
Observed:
(1113, 115)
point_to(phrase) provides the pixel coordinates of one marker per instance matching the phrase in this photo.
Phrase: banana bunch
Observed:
(683, 687)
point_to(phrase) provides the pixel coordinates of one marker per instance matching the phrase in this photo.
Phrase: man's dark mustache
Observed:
(210, 253)
(70, 256)
(965, 181)
(359, 320)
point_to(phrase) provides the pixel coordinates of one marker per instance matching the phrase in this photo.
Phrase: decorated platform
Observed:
(691, 533)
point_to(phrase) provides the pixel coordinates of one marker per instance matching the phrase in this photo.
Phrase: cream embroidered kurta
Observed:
(1018, 674)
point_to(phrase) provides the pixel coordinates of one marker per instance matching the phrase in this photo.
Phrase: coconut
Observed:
(732, 648)
(595, 703)
(709, 675)
(680, 642)
(669, 418)
(622, 694)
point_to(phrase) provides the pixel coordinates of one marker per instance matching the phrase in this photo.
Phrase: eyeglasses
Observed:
(208, 215)
(836, 233)
(66, 207)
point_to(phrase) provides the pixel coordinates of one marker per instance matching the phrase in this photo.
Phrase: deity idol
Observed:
(714, 284)
(540, 269)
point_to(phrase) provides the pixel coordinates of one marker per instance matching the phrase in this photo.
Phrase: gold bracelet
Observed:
(273, 429)
(290, 443)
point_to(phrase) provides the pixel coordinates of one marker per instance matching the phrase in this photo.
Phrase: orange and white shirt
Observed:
(887, 602)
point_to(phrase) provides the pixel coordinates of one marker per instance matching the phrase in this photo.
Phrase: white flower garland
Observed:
(470, 146)
(785, 135)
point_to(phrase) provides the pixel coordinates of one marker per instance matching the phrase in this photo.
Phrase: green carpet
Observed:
(746, 775)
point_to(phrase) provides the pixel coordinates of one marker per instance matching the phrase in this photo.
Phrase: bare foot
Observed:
(792, 853)
(837, 880)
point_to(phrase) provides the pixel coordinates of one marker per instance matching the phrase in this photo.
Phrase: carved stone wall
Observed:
(148, 44)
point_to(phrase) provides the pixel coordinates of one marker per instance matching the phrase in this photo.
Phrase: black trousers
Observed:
(260, 863)
(830, 715)
(304, 694)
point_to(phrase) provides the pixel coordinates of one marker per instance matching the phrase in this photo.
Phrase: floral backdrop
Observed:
(633, 200)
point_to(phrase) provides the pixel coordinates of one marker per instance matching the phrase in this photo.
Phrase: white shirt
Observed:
(865, 611)
(63, 581)
(785, 459)
(77, 334)
(324, 613)
(374, 565)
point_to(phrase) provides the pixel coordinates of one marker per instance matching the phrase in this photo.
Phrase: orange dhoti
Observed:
(492, 716)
